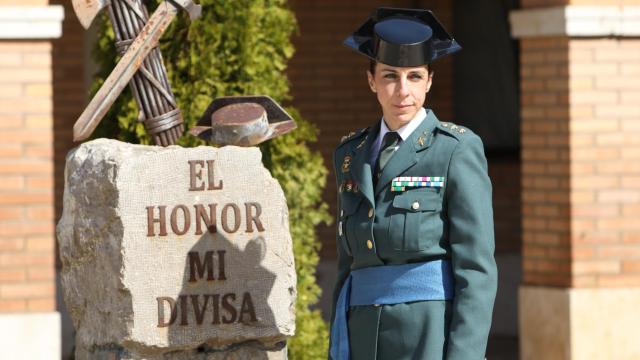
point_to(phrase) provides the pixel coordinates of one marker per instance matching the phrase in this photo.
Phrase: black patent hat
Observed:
(402, 37)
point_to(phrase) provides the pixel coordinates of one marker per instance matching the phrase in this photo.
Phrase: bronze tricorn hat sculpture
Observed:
(243, 121)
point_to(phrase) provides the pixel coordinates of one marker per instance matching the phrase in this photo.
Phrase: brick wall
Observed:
(545, 160)
(581, 178)
(26, 178)
(605, 161)
(69, 93)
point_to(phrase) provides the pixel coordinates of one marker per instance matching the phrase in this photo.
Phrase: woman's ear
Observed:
(429, 81)
(372, 81)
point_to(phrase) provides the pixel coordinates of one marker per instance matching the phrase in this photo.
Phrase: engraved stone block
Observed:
(173, 253)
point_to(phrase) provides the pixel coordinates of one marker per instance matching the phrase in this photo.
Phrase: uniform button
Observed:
(370, 213)
(340, 228)
(415, 205)
(370, 244)
(341, 213)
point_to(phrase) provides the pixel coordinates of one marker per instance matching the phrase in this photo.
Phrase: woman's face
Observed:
(401, 91)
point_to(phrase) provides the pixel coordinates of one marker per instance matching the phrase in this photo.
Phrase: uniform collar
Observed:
(404, 131)
(407, 129)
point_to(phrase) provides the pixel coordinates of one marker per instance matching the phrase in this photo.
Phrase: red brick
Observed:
(15, 182)
(631, 237)
(582, 197)
(631, 266)
(40, 212)
(38, 151)
(41, 273)
(593, 267)
(619, 251)
(8, 306)
(618, 196)
(619, 280)
(594, 182)
(593, 126)
(10, 213)
(583, 281)
(39, 182)
(596, 237)
(27, 290)
(26, 198)
(618, 111)
(11, 276)
(10, 151)
(11, 244)
(40, 244)
(26, 228)
(41, 305)
(26, 167)
(582, 252)
(596, 211)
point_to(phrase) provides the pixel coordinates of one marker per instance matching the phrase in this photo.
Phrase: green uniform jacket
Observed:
(377, 227)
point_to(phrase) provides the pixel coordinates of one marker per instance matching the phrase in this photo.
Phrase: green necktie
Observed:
(389, 143)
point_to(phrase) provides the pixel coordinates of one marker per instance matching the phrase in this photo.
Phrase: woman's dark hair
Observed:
(373, 63)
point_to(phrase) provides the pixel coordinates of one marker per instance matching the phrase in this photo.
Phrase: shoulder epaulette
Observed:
(352, 135)
(456, 130)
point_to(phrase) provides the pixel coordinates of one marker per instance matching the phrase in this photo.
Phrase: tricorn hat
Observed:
(243, 121)
(402, 37)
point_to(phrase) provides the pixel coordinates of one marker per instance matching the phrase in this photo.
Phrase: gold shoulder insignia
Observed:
(454, 128)
(353, 134)
(348, 136)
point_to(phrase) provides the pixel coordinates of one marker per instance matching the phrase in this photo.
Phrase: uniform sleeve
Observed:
(472, 244)
(344, 262)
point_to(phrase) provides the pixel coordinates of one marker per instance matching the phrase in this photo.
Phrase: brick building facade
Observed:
(565, 195)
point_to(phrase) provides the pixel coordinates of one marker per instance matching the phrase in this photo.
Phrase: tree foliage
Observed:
(241, 47)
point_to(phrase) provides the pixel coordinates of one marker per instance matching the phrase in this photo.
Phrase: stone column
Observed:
(29, 322)
(580, 83)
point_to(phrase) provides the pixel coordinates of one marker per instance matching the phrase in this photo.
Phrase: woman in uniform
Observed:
(416, 271)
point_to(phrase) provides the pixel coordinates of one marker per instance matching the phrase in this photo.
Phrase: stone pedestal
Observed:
(174, 253)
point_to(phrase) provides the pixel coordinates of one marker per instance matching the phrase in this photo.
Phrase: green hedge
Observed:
(241, 47)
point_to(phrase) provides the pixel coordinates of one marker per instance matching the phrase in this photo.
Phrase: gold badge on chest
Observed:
(346, 164)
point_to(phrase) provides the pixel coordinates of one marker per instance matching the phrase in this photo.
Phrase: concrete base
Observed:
(557, 323)
(30, 336)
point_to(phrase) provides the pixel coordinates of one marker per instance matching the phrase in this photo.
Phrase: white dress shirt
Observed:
(404, 133)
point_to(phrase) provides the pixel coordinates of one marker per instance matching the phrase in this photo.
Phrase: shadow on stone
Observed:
(224, 294)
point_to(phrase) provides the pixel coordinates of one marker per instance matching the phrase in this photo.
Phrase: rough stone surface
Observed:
(114, 272)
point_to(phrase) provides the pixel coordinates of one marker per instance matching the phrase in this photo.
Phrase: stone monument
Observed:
(175, 253)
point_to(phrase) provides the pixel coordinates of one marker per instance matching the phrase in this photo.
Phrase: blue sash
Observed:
(389, 284)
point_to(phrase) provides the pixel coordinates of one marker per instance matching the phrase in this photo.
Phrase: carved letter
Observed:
(227, 305)
(225, 218)
(197, 268)
(172, 311)
(161, 219)
(197, 310)
(174, 220)
(212, 186)
(247, 308)
(253, 219)
(196, 174)
(183, 310)
(216, 309)
(209, 221)
(221, 273)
